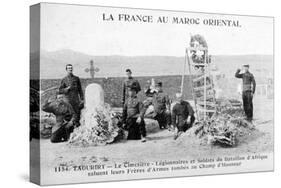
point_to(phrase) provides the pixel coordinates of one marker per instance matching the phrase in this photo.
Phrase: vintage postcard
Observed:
(125, 93)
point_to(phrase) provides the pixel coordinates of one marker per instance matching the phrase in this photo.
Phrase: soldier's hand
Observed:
(50, 100)
(188, 120)
(124, 126)
(138, 120)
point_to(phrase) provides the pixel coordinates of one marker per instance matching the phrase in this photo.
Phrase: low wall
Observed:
(113, 87)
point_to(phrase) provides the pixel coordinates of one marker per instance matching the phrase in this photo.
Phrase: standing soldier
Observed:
(64, 118)
(71, 88)
(182, 115)
(133, 113)
(162, 106)
(129, 82)
(249, 87)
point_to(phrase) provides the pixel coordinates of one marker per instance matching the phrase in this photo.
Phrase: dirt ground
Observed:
(161, 146)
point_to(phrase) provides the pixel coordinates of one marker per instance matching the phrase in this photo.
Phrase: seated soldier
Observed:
(149, 89)
(182, 115)
(133, 113)
(64, 118)
(149, 92)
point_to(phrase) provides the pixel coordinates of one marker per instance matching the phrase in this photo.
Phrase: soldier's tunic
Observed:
(180, 112)
(148, 102)
(64, 118)
(74, 95)
(161, 101)
(249, 87)
(149, 92)
(133, 108)
(129, 83)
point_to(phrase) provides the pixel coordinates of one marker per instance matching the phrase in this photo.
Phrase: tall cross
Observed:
(92, 69)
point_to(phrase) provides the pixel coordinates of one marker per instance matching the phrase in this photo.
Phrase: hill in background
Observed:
(53, 64)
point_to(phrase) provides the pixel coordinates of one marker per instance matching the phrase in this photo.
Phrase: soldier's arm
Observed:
(237, 74)
(63, 89)
(48, 107)
(124, 93)
(142, 109)
(190, 109)
(124, 115)
(168, 102)
(174, 115)
(80, 90)
(138, 86)
(70, 109)
(254, 84)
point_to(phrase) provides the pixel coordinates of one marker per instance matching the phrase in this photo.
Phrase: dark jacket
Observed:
(133, 108)
(180, 112)
(249, 83)
(129, 83)
(161, 101)
(75, 94)
(61, 109)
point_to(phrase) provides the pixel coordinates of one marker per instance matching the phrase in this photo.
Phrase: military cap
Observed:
(246, 65)
(159, 84)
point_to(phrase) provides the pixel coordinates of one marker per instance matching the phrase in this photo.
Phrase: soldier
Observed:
(182, 115)
(129, 81)
(249, 87)
(133, 113)
(71, 87)
(162, 106)
(64, 118)
(149, 90)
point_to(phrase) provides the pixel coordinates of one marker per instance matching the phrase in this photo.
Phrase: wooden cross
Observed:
(92, 69)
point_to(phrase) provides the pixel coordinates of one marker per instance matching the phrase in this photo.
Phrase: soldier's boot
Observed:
(177, 133)
(143, 139)
(171, 128)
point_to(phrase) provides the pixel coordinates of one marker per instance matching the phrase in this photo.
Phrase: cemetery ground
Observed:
(160, 145)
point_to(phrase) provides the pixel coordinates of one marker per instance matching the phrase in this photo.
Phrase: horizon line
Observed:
(157, 55)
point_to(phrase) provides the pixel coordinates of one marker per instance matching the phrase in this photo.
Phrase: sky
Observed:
(82, 28)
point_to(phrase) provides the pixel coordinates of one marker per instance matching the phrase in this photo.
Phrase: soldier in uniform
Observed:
(64, 118)
(149, 89)
(182, 115)
(71, 87)
(129, 81)
(249, 87)
(162, 106)
(133, 113)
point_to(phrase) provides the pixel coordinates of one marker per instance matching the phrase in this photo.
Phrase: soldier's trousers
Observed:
(183, 126)
(163, 119)
(135, 130)
(61, 134)
(247, 97)
(77, 113)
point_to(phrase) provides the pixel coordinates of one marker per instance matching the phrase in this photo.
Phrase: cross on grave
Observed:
(92, 69)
